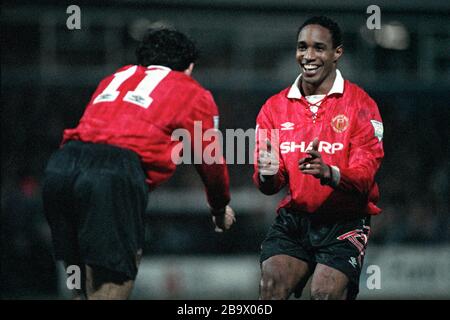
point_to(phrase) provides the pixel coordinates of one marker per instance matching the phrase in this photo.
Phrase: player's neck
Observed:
(323, 87)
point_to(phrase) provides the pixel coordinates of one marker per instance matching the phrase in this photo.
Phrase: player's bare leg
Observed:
(328, 284)
(102, 284)
(101, 287)
(280, 275)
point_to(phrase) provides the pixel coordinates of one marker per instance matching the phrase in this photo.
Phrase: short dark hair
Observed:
(166, 47)
(325, 22)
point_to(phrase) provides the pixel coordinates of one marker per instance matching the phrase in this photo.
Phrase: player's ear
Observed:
(189, 70)
(338, 52)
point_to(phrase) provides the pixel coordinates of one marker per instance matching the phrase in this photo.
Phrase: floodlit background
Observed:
(248, 47)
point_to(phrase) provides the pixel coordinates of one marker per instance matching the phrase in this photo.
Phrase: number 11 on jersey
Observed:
(139, 96)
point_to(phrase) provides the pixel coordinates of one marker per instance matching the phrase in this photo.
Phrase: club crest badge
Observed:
(339, 123)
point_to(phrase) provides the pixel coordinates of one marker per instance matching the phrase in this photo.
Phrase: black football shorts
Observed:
(95, 196)
(337, 243)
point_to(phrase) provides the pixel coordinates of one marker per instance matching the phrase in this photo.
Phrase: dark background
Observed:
(48, 74)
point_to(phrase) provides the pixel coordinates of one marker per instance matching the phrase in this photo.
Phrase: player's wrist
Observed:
(331, 177)
(325, 177)
(335, 176)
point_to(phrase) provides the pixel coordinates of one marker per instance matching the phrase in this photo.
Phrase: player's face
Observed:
(315, 53)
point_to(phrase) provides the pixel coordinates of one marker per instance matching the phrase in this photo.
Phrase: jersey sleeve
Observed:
(208, 159)
(366, 150)
(265, 130)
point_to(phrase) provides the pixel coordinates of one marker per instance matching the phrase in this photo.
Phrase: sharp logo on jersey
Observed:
(287, 126)
(339, 123)
(324, 146)
(378, 128)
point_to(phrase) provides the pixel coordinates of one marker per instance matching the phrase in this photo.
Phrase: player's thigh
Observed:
(280, 274)
(328, 283)
(59, 208)
(284, 260)
(105, 284)
(111, 195)
(340, 256)
(112, 226)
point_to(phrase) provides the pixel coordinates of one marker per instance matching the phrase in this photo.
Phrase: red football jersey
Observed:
(350, 131)
(139, 108)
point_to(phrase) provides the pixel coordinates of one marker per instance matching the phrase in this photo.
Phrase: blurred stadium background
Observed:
(49, 72)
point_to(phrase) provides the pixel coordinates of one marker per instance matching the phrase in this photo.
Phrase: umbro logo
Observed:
(137, 98)
(105, 96)
(353, 262)
(287, 126)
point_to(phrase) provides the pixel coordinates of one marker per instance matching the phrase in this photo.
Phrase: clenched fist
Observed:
(223, 222)
(268, 161)
(314, 165)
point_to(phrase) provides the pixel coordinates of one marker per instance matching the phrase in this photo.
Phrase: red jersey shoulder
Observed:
(366, 107)
(188, 81)
(358, 95)
(185, 86)
(277, 102)
(194, 96)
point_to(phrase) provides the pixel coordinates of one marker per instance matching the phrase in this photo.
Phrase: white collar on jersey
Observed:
(159, 67)
(338, 86)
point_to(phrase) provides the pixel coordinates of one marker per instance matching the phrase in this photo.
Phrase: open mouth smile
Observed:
(310, 69)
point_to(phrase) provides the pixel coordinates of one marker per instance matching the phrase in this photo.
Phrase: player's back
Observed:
(138, 108)
(126, 104)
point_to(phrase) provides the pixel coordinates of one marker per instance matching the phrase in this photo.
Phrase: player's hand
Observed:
(223, 222)
(268, 162)
(314, 165)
